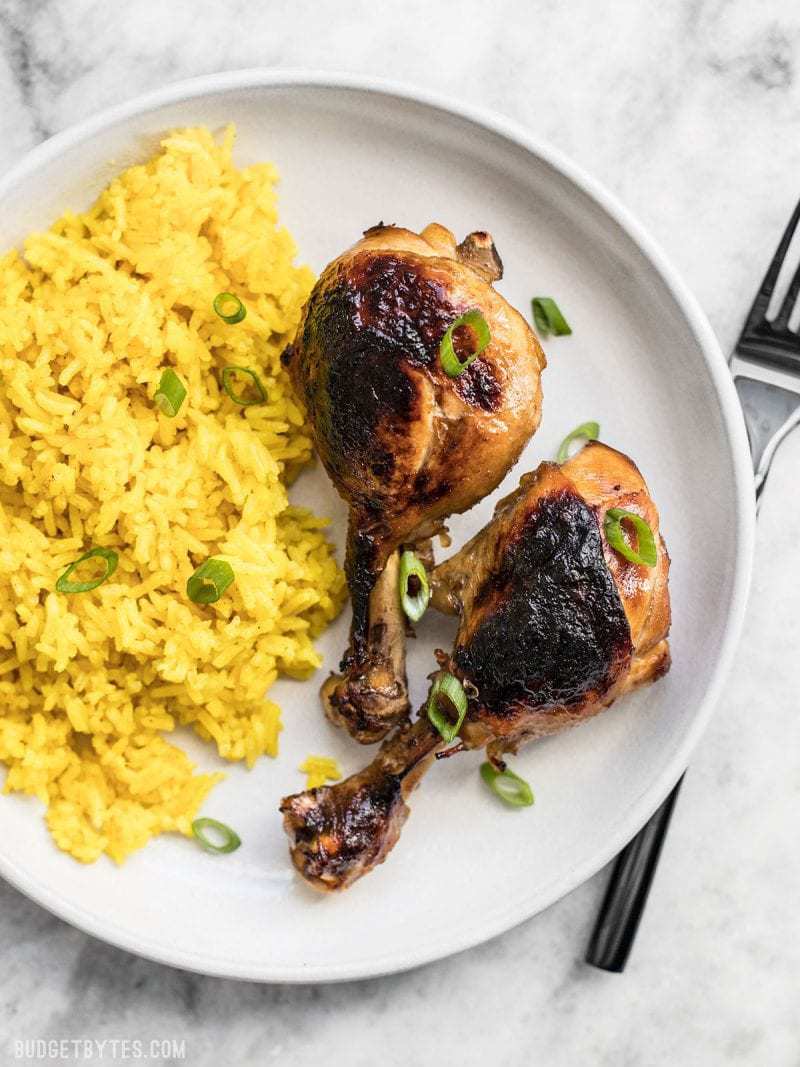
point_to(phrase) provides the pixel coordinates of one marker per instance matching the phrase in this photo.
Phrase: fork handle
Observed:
(627, 891)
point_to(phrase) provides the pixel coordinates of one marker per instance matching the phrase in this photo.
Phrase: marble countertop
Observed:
(689, 111)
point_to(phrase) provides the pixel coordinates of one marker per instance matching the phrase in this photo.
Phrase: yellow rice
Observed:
(319, 770)
(89, 318)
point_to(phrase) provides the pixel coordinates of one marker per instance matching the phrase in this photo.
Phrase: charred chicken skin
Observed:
(405, 444)
(554, 625)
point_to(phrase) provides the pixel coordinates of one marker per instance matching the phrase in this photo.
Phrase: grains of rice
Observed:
(90, 315)
(319, 770)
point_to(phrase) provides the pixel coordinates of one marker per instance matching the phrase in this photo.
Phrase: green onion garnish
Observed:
(230, 839)
(171, 394)
(478, 328)
(229, 308)
(253, 383)
(508, 786)
(548, 318)
(447, 687)
(415, 592)
(64, 585)
(588, 431)
(646, 556)
(209, 581)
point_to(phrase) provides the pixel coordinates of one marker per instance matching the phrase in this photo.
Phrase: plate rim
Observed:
(733, 425)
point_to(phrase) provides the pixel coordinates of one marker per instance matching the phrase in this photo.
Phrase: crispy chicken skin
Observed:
(554, 625)
(554, 622)
(404, 444)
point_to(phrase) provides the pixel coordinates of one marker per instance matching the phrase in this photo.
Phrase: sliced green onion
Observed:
(647, 555)
(171, 394)
(447, 686)
(229, 308)
(229, 378)
(508, 786)
(588, 431)
(548, 318)
(452, 364)
(209, 581)
(414, 595)
(64, 585)
(230, 839)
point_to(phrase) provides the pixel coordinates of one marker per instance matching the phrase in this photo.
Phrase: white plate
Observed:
(642, 360)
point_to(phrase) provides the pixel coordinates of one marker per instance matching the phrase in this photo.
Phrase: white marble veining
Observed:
(690, 111)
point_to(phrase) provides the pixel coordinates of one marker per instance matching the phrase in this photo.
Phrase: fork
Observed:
(765, 365)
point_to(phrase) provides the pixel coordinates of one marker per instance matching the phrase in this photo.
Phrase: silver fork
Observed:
(766, 365)
(766, 372)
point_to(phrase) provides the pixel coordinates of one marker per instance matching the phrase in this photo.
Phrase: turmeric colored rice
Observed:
(91, 314)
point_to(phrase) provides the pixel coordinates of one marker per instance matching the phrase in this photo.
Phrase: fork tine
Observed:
(781, 320)
(758, 312)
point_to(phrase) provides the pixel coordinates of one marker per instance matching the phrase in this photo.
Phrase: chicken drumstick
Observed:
(554, 626)
(405, 444)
